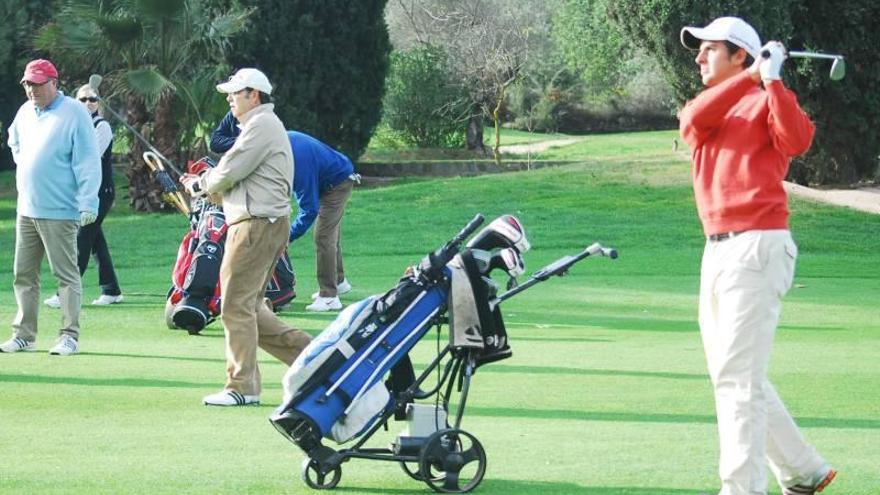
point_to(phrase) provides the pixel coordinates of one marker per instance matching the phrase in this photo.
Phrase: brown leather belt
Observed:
(724, 236)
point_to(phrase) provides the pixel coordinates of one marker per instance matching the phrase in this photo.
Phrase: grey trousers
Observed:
(35, 237)
(328, 236)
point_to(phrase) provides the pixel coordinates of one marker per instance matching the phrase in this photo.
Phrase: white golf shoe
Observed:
(106, 300)
(53, 302)
(230, 398)
(322, 304)
(16, 344)
(341, 288)
(65, 346)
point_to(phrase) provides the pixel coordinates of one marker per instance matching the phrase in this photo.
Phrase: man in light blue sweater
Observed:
(58, 175)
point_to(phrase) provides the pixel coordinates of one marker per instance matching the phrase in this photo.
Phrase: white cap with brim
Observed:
(732, 29)
(246, 78)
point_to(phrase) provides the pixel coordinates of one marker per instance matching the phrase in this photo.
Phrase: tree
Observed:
(327, 59)
(846, 146)
(421, 101)
(157, 55)
(21, 19)
(488, 43)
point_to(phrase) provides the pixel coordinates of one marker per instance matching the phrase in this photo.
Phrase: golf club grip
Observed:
(765, 54)
(468, 229)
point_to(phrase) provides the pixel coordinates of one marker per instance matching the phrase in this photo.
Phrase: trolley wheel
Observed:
(317, 480)
(452, 461)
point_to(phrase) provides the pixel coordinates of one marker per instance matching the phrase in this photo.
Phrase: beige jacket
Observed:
(255, 176)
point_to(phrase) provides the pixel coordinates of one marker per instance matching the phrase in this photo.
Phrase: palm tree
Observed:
(156, 56)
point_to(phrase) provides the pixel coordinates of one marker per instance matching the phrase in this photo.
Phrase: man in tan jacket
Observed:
(253, 179)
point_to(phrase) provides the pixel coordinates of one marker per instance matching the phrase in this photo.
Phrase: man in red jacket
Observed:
(742, 137)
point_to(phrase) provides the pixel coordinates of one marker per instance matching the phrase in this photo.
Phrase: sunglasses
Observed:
(90, 99)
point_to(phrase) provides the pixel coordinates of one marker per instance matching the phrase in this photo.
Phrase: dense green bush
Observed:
(847, 145)
(327, 59)
(422, 102)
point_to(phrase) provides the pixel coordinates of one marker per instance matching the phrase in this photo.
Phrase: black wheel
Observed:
(452, 461)
(317, 480)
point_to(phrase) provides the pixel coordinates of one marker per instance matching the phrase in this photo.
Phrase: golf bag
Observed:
(336, 389)
(194, 299)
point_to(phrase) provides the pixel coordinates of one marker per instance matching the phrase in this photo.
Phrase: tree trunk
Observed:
(474, 134)
(144, 193)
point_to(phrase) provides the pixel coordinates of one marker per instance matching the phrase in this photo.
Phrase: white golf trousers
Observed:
(742, 282)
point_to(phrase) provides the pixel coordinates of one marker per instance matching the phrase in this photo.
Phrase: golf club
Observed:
(94, 82)
(838, 67)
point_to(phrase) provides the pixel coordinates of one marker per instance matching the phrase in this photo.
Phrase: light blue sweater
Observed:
(58, 165)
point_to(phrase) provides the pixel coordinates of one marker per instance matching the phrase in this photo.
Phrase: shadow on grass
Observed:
(627, 417)
(544, 487)
(557, 339)
(553, 370)
(112, 382)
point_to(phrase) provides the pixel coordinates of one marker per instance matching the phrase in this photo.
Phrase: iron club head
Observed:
(95, 82)
(838, 66)
(838, 69)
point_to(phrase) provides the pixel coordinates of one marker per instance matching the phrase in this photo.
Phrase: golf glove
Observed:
(192, 184)
(771, 66)
(87, 217)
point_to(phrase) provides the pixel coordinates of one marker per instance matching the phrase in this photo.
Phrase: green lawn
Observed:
(606, 393)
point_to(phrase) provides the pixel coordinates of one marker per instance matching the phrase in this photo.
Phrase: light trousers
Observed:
(252, 249)
(742, 283)
(328, 238)
(56, 239)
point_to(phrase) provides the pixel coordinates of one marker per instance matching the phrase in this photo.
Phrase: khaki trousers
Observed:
(743, 280)
(252, 249)
(35, 237)
(328, 237)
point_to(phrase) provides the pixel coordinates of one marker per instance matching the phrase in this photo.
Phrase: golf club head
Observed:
(95, 82)
(838, 69)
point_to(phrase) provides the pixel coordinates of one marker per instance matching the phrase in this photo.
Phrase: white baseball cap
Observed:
(246, 78)
(732, 29)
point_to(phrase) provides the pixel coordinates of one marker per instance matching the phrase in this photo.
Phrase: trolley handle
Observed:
(557, 268)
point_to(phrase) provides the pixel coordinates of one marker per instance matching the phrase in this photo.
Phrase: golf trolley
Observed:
(335, 389)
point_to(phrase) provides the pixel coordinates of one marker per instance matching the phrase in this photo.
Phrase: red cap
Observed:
(39, 71)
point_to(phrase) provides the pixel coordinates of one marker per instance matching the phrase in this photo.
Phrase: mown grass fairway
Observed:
(606, 393)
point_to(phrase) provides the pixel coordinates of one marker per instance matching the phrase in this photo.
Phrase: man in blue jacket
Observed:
(58, 176)
(322, 184)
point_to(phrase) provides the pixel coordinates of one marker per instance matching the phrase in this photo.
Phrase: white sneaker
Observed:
(106, 300)
(65, 346)
(16, 344)
(53, 302)
(341, 288)
(230, 398)
(325, 304)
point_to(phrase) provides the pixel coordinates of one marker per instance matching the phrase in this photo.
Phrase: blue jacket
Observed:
(224, 135)
(58, 170)
(317, 169)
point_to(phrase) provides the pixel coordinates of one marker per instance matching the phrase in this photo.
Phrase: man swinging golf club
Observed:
(253, 179)
(742, 138)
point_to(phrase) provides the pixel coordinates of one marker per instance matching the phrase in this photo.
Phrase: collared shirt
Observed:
(58, 169)
(254, 177)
